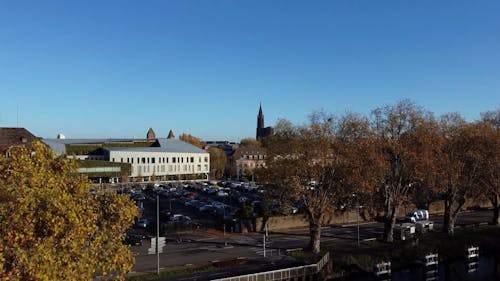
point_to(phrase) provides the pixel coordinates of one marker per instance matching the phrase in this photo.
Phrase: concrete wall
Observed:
(301, 221)
(350, 217)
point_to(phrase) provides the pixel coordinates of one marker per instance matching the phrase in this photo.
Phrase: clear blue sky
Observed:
(116, 68)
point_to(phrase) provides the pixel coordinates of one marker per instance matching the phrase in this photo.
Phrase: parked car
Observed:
(131, 239)
(191, 202)
(179, 218)
(191, 195)
(142, 223)
(221, 193)
(206, 208)
(137, 197)
(418, 215)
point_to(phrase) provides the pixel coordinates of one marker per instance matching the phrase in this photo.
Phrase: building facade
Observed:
(245, 160)
(14, 136)
(178, 160)
(140, 159)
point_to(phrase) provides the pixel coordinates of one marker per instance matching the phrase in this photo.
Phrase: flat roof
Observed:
(165, 145)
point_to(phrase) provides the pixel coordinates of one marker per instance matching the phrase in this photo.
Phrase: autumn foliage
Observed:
(52, 226)
(400, 154)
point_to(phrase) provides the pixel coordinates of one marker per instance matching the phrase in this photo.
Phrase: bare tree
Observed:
(457, 166)
(395, 127)
(489, 146)
(310, 165)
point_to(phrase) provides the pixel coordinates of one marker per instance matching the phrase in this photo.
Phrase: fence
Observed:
(283, 274)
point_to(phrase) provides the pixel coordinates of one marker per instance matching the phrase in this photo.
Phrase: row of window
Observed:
(154, 160)
(163, 168)
(254, 157)
(252, 165)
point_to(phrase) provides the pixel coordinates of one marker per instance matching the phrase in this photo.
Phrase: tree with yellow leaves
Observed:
(52, 226)
(191, 139)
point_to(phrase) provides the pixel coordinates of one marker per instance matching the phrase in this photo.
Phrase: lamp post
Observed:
(264, 239)
(157, 233)
(358, 207)
(357, 220)
(224, 219)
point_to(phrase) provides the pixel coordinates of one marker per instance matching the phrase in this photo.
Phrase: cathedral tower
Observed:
(262, 132)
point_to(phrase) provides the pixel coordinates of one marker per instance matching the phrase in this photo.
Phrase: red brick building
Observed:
(14, 136)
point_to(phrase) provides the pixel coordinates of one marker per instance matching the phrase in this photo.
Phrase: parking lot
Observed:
(184, 206)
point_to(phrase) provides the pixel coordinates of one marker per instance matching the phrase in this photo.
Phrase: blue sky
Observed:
(116, 68)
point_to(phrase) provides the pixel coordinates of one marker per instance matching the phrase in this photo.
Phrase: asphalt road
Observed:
(207, 250)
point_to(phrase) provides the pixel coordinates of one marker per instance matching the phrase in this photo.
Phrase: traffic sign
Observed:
(161, 244)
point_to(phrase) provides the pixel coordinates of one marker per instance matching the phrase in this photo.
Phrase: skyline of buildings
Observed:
(149, 159)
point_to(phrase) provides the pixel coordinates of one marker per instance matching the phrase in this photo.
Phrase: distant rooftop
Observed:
(14, 136)
(174, 145)
(59, 146)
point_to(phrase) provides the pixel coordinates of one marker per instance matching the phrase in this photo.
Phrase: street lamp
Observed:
(224, 219)
(358, 207)
(157, 234)
(264, 239)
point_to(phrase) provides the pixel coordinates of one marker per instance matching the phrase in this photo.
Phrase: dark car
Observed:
(137, 197)
(142, 223)
(134, 240)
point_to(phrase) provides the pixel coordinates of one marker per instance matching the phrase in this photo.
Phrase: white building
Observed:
(174, 159)
(160, 159)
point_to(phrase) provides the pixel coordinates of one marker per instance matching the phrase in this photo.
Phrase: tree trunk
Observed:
(264, 222)
(447, 217)
(451, 210)
(315, 237)
(390, 221)
(450, 228)
(495, 200)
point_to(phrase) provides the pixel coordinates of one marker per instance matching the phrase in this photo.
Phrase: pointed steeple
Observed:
(151, 134)
(171, 135)
(260, 118)
(260, 124)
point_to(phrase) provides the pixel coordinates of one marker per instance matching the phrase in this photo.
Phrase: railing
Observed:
(282, 274)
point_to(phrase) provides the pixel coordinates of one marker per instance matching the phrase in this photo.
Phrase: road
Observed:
(207, 250)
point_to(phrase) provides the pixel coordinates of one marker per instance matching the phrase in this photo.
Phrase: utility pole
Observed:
(157, 234)
(357, 219)
(265, 227)
(264, 244)
(264, 239)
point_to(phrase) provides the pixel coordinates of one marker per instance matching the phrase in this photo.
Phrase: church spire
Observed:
(171, 135)
(260, 118)
(150, 135)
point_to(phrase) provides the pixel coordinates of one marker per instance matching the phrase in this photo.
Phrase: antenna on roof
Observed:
(17, 116)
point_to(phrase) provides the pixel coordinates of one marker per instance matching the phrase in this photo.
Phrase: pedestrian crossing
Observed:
(269, 252)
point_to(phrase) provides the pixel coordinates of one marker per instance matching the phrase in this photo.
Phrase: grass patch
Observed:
(308, 257)
(364, 262)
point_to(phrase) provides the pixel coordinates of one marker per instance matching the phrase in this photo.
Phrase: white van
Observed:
(418, 215)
